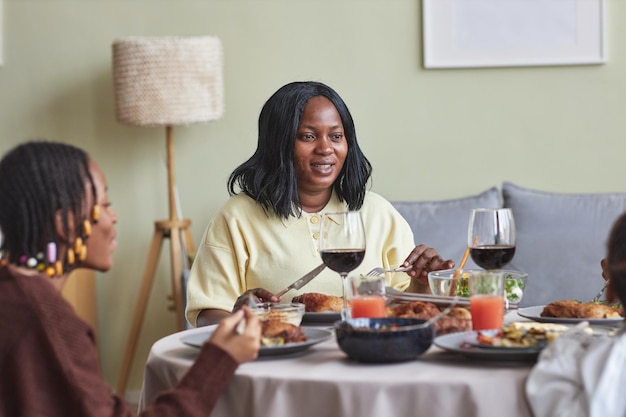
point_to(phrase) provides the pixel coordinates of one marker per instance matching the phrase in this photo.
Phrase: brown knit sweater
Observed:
(49, 363)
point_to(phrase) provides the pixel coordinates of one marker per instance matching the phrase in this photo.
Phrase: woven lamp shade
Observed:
(166, 81)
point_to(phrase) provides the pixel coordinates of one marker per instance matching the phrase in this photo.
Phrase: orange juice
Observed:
(368, 306)
(487, 312)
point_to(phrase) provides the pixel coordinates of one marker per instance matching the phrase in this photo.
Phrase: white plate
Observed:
(313, 335)
(321, 317)
(456, 342)
(465, 343)
(534, 313)
(472, 340)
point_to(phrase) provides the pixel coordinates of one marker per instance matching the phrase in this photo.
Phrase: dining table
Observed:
(322, 381)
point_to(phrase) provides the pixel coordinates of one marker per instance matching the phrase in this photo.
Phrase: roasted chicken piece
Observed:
(460, 313)
(315, 302)
(276, 332)
(415, 309)
(449, 324)
(458, 320)
(576, 309)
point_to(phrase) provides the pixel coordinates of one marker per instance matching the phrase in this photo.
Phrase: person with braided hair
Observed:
(55, 216)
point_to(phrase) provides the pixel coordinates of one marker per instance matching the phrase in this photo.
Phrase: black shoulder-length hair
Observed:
(269, 176)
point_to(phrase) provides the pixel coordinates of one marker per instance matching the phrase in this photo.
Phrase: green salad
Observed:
(462, 287)
(513, 287)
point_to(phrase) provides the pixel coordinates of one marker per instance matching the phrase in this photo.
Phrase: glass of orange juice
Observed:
(367, 296)
(486, 290)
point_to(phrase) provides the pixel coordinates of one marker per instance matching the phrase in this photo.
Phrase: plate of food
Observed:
(327, 317)
(271, 346)
(572, 312)
(459, 319)
(320, 308)
(458, 343)
(518, 335)
(519, 341)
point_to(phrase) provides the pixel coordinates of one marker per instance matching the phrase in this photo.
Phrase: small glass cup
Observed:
(367, 296)
(486, 299)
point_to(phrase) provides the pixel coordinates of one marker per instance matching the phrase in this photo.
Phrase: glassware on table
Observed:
(367, 296)
(514, 286)
(444, 283)
(342, 246)
(491, 237)
(486, 299)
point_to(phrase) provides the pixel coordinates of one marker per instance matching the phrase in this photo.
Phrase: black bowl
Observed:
(383, 340)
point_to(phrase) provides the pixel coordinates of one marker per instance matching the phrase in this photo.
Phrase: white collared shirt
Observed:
(580, 375)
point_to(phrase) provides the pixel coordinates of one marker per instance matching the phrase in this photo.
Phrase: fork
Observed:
(599, 294)
(241, 326)
(380, 271)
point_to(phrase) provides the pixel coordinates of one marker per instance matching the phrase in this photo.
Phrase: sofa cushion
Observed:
(561, 239)
(443, 224)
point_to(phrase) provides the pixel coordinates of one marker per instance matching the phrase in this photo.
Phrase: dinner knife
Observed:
(303, 281)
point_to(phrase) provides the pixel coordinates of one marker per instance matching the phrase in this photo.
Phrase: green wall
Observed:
(430, 134)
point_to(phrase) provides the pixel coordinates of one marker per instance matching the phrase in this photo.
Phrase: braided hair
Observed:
(40, 180)
(269, 176)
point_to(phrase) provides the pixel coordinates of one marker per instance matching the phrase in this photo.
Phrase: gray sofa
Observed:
(561, 237)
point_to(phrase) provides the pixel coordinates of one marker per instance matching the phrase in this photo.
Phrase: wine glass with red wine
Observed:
(491, 237)
(342, 246)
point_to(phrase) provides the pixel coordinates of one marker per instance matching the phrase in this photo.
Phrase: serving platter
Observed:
(313, 335)
(329, 317)
(394, 295)
(534, 313)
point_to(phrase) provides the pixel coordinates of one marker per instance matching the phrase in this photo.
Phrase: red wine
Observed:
(343, 260)
(492, 256)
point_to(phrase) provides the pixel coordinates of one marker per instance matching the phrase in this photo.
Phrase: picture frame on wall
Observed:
(499, 33)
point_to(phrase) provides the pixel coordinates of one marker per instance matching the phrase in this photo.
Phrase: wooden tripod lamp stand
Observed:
(166, 81)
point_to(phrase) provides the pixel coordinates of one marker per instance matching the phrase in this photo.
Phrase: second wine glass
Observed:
(491, 237)
(342, 246)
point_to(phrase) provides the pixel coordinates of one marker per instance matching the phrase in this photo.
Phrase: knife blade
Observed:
(302, 281)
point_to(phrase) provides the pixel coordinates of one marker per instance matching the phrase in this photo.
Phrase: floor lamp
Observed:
(166, 81)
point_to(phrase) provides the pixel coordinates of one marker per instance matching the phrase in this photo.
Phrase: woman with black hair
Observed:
(56, 216)
(307, 162)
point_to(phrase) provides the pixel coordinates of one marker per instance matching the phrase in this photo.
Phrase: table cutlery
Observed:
(459, 270)
(380, 271)
(303, 281)
(599, 294)
(241, 326)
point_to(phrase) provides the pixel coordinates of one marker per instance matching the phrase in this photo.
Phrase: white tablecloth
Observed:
(322, 381)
